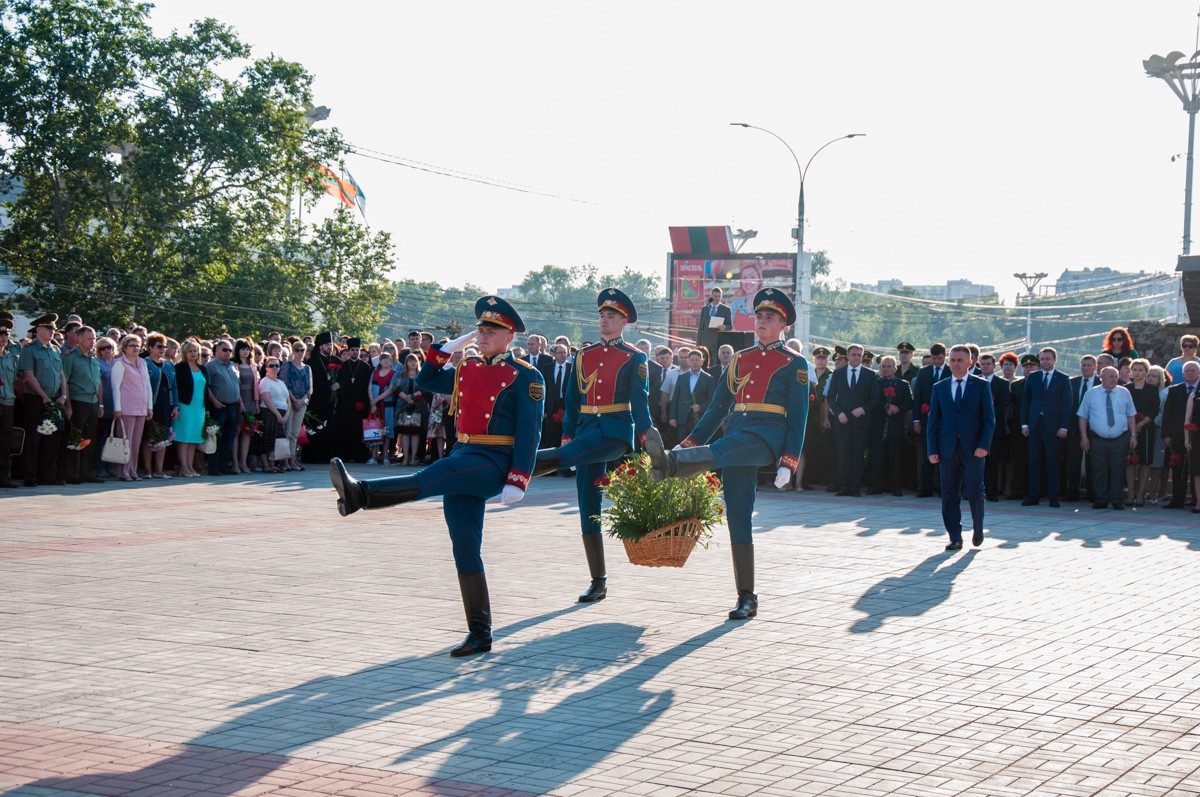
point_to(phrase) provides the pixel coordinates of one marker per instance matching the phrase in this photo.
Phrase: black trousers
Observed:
(997, 459)
(7, 418)
(852, 451)
(1073, 484)
(41, 450)
(887, 450)
(78, 464)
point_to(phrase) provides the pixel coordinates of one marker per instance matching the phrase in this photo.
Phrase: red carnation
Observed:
(557, 416)
(890, 392)
(603, 481)
(335, 366)
(1141, 416)
(1191, 427)
(812, 396)
(358, 405)
(1133, 459)
(925, 408)
(1176, 460)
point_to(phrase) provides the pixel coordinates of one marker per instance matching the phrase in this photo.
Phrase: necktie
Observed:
(558, 378)
(958, 389)
(937, 373)
(1108, 408)
(1083, 386)
(1046, 383)
(853, 377)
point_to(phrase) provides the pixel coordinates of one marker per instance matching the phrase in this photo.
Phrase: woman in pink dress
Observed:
(132, 402)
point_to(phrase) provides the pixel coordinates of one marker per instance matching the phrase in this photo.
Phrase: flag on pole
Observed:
(359, 197)
(334, 185)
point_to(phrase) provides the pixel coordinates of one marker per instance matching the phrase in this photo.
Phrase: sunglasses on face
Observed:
(1189, 345)
(272, 365)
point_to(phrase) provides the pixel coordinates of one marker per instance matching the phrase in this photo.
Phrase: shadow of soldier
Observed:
(246, 749)
(911, 594)
(546, 749)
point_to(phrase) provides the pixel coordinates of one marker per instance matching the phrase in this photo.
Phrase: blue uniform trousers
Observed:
(466, 479)
(589, 454)
(961, 476)
(738, 456)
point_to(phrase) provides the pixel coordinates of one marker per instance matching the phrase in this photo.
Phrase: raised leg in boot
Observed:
(743, 579)
(354, 495)
(478, 608)
(593, 547)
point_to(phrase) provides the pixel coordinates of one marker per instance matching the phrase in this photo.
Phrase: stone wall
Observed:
(1159, 342)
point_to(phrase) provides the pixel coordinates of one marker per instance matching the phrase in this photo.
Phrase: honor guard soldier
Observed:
(606, 411)
(497, 400)
(764, 402)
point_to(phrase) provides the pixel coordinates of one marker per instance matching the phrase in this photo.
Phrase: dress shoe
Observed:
(59, 482)
(1031, 502)
(94, 480)
(8, 484)
(74, 481)
(874, 492)
(1054, 503)
(1172, 505)
(954, 546)
(1100, 505)
(853, 494)
(897, 493)
(1118, 507)
(925, 494)
(843, 493)
(992, 498)
(29, 483)
(977, 537)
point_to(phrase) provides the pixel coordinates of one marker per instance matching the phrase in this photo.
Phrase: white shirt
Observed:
(277, 390)
(1093, 408)
(669, 377)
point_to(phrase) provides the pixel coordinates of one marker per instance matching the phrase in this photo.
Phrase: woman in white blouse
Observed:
(273, 396)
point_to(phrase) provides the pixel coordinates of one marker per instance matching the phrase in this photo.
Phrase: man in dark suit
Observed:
(1074, 459)
(1173, 432)
(706, 334)
(557, 377)
(1045, 417)
(927, 377)
(537, 356)
(1001, 395)
(888, 429)
(853, 397)
(724, 358)
(694, 391)
(958, 437)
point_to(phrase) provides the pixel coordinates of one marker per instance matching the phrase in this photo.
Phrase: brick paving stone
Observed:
(252, 642)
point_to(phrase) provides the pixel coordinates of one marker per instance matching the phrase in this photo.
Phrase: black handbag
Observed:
(18, 441)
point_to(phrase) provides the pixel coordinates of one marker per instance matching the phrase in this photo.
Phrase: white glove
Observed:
(458, 343)
(782, 477)
(511, 494)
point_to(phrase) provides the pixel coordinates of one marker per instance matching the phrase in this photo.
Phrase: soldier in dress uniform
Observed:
(764, 403)
(497, 400)
(324, 365)
(606, 413)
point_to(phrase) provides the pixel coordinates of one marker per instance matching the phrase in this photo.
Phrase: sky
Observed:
(999, 138)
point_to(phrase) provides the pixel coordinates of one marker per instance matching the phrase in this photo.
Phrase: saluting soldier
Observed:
(44, 385)
(497, 400)
(606, 412)
(764, 403)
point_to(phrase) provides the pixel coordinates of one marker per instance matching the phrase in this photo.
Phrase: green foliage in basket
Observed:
(639, 506)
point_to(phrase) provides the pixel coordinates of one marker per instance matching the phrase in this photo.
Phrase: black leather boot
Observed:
(478, 608)
(546, 462)
(354, 495)
(743, 579)
(593, 546)
(657, 451)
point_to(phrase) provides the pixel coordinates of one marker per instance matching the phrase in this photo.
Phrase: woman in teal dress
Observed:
(189, 426)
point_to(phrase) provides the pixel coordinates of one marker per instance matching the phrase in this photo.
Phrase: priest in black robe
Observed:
(324, 365)
(353, 388)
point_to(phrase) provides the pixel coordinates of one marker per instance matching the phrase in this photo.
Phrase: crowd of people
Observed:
(236, 406)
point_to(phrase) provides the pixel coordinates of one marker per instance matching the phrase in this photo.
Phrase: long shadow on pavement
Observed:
(554, 745)
(912, 594)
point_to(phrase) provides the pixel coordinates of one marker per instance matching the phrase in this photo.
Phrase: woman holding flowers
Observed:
(243, 357)
(132, 402)
(189, 424)
(165, 404)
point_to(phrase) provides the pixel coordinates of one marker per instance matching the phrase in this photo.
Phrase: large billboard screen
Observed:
(739, 277)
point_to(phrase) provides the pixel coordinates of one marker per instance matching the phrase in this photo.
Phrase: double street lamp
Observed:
(802, 288)
(1184, 81)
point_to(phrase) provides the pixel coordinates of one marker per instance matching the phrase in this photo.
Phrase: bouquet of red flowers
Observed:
(251, 424)
(1190, 427)
(889, 392)
(925, 409)
(558, 416)
(1133, 459)
(1176, 460)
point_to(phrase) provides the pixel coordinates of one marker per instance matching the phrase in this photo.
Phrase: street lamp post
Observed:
(802, 287)
(1184, 81)
(1030, 282)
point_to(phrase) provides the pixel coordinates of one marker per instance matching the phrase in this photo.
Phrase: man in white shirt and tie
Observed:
(1106, 421)
(556, 384)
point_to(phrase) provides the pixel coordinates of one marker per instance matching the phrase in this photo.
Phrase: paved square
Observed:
(238, 637)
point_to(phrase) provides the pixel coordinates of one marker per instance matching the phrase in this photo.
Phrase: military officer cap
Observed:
(1030, 359)
(777, 300)
(820, 351)
(7, 316)
(323, 338)
(47, 320)
(839, 351)
(868, 356)
(495, 312)
(904, 345)
(615, 299)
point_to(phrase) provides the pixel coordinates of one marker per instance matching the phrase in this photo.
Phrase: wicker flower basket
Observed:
(669, 546)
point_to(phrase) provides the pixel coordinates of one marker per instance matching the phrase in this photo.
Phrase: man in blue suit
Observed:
(958, 436)
(1045, 417)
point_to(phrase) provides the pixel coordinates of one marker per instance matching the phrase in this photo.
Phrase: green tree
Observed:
(152, 184)
(350, 266)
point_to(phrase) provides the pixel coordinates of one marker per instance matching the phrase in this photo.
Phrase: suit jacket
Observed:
(923, 389)
(865, 394)
(555, 405)
(682, 399)
(1001, 396)
(1174, 414)
(543, 362)
(1076, 384)
(902, 399)
(654, 381)
(722, 311)
(964, 426)
(1049, 405)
